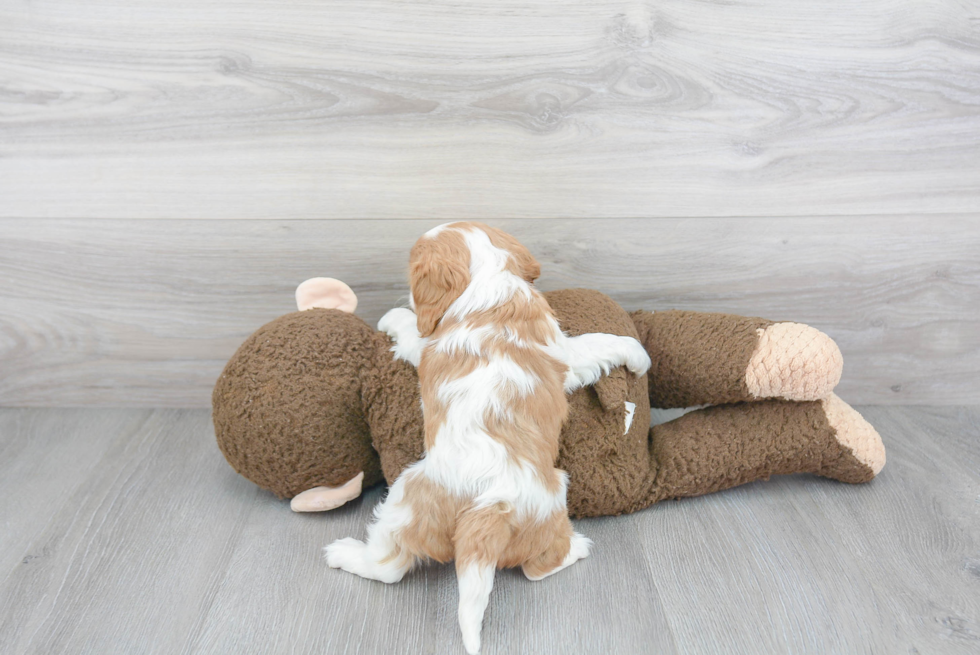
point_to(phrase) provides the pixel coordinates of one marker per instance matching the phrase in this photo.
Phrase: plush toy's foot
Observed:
(793, 361)
(321, 499)
(856, 437)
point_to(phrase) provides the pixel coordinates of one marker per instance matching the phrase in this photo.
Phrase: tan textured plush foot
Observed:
(855, 433)
(795, 362)
(321, 499)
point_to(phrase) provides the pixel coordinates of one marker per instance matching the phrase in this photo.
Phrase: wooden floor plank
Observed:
(807, 565)
(131, 563)
(159, 547)
(146, 313)
(302, 606)
(587, 108)
(45, 460)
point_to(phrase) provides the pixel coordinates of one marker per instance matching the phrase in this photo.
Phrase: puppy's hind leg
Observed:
(566, 548)
(382, 557)
(482, 536)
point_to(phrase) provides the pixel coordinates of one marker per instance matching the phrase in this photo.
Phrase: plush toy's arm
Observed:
(706, 359)
(590, 356)
(401, 324)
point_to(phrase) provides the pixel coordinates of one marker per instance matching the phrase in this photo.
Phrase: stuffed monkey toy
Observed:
(314, 407)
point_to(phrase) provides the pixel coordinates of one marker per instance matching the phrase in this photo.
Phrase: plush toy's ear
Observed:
(326, 293)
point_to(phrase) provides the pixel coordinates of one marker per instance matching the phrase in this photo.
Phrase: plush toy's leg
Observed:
(720, 447)
(708, 359)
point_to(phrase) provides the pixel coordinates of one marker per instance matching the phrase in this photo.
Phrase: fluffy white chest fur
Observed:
(494, 370)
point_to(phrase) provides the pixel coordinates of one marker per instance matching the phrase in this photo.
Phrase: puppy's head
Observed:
(439, 272)
(440, 264)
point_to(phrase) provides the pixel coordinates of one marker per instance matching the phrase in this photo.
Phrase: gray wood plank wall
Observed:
(842, 139)
(146, 312)
(482, 108)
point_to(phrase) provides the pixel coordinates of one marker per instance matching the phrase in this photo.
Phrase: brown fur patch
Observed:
(439, 271)
(495, 535)
(434, 515)
(446, 527)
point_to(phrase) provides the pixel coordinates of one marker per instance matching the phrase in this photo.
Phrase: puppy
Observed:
(494, 368)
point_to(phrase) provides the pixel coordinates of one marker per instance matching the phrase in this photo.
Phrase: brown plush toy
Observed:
(314, 406)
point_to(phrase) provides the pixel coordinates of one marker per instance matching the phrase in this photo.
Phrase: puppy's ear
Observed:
(439, 272)
(522, 262)
(529, 267)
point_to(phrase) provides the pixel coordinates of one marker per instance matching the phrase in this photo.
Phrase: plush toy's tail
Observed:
(720, 447)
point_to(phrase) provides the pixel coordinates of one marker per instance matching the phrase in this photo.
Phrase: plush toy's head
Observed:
(288, 409)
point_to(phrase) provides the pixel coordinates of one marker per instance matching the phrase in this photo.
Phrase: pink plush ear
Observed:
(327, 293)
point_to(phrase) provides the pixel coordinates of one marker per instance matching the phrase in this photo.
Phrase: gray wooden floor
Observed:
(124, 531)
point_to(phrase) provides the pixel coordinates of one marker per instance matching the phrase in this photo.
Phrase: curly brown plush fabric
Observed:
(391, 396)
(287, 408)
(611, 469)
(720, 447)
(698, 358)
(315, 397)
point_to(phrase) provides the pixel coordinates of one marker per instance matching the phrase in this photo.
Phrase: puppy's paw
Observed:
(347, 554)
(579, 549)
(398, 320)
(637, 359)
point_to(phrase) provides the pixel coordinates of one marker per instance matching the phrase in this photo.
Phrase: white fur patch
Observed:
(490, 284)
(475, 584)
(373, 559)
(590, 356)
(630, 410)
(436, 230)
(465, 339)
(401, 324)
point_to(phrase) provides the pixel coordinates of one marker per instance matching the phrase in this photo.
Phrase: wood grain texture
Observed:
(807, 565)
(146, 313)
(587, 108)
(162, 548)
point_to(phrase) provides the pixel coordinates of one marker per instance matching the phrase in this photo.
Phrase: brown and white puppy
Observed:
(494, 368)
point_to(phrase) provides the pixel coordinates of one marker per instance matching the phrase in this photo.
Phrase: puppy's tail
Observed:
(482, 537)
